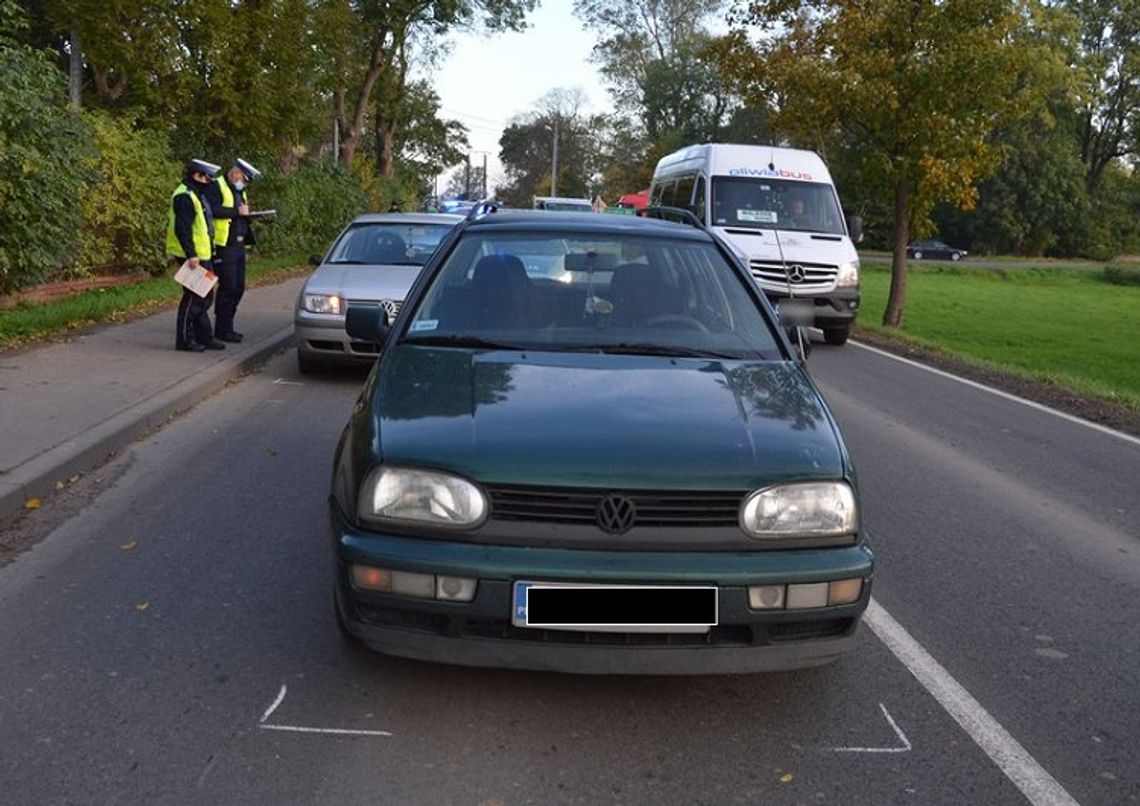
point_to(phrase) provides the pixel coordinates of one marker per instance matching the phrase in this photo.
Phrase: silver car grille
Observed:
(392, 306)
(813, 276)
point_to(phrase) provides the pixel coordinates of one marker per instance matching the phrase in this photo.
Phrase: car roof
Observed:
(554, 221)
(408, 218)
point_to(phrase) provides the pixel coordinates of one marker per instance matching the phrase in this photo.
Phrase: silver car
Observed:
(374, 261)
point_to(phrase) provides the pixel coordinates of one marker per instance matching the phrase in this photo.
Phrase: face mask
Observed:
(239, 185)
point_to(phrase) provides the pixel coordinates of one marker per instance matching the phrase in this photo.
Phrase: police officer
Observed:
(232, 234)
(190, 238)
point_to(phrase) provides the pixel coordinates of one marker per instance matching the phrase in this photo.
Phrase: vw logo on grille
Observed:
(796, 273)
(616, 514)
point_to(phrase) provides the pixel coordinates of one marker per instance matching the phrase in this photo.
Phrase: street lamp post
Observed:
(554, 162)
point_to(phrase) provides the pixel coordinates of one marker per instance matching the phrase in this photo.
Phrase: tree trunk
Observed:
(385, 146)
(75, 72)
(101, 80)
(350, 130)
(896, 301)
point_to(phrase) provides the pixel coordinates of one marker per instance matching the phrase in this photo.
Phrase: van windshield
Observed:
(781, 204)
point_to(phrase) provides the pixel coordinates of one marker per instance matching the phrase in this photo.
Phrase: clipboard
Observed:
(199, 280)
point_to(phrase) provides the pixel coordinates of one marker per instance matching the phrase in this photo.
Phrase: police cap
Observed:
(250, 172)
(201, 166)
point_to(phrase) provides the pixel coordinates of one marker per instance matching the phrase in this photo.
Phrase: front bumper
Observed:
(323, 337)
(480, 632)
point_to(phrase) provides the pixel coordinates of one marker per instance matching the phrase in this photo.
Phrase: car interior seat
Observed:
(389, 247)
(640, 293)
(501, 291)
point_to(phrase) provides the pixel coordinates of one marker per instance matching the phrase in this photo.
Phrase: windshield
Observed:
(610, 293)
(775, 204)
(389, 243)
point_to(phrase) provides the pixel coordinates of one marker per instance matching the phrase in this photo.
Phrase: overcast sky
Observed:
(487, 80)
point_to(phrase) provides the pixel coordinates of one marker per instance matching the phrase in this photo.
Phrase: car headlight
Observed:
(812, 509)
(426, 497)
(848, 276)
(321, 303)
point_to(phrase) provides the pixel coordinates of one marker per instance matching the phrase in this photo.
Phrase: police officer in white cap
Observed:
(190, 238)
(232, 235)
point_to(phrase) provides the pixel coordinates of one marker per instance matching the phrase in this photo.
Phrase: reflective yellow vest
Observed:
(200, 231)
(222, 225)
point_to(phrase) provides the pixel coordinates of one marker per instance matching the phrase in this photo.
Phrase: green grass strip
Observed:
(28, 324)
(1070, 328)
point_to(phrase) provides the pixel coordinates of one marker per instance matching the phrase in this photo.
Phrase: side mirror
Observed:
(367, 323)
(855, 227)
(314, 260)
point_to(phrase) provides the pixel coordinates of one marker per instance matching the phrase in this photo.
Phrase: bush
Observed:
(1122, 275)
(313, 206)
(125, 211)
(43, 146)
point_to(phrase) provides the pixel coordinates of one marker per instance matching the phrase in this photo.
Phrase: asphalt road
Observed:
(170, 640)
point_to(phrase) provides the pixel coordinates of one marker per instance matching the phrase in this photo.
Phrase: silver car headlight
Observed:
(811, 509)
(848, 276)
(424, 497)
(322, 303)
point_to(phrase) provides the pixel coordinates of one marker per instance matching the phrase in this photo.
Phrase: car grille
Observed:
(573, 506)
(817, 276)
(392, 306)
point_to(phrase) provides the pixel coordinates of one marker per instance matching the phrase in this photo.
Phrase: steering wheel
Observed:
(688, 322)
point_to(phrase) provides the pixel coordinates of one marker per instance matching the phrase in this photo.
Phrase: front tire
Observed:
(955, 256)
(918, 255)
(836, 335)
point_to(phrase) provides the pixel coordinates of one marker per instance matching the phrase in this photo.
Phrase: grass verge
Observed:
(28, 324)
(1068, 328)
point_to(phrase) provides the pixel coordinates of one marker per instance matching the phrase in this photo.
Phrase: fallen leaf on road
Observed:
(271, 452)
(786, 778)
(129, 545)
(142, 607)
(32, 503)
(74, 478)
(59, 485)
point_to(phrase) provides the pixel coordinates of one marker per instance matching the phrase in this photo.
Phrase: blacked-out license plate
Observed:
(614, 608)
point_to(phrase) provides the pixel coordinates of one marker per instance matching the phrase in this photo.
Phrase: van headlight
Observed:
(811, 509)
(414, 496)
(848, 276)
(321, 303)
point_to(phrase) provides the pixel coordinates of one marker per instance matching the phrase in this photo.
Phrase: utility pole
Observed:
(484, 174)
(467, 179)
(554, 162)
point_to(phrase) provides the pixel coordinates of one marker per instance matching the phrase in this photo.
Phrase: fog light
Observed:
(766, 597)
(801, 597)
(844, 591)
(455, 589)
(405, 583)
(373, 579)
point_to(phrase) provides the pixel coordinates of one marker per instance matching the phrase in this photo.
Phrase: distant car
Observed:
(934, 250)
(564, 204)
(374, 261)
(610, 463)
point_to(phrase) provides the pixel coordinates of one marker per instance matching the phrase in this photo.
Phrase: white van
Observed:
(779, 208)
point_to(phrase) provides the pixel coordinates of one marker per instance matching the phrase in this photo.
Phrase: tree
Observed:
(42, 147)
(1108, 59)
(914, 87)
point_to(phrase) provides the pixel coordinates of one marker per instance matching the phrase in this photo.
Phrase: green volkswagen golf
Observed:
(587, 446)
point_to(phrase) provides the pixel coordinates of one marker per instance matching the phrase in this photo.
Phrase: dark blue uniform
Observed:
(230, 265)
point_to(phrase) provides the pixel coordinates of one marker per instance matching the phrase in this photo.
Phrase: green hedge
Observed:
(1122, 275)
(313, 206)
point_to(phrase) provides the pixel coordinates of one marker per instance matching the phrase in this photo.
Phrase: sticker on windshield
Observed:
(424, 324)
(757, 216)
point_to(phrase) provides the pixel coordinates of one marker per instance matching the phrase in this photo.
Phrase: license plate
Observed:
(614, 608)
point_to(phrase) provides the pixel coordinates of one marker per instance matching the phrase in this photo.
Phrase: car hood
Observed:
(589, 420)
(355, 282)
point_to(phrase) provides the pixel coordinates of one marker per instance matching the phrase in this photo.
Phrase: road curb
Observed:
(37, 477)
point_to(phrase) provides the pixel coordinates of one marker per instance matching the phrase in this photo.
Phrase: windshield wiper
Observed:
(459, 340)
(641, 348)
(348, 262)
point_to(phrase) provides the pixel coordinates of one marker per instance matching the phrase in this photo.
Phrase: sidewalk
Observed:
(65, 407)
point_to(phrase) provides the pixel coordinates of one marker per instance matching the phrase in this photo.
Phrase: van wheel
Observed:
(836, 335)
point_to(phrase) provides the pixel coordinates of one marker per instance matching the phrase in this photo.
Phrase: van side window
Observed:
(699, 199)
(683, 193)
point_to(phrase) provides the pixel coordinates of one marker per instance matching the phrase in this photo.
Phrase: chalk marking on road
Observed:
(1039, 787)
(280, 699)
(283, 382)
(296, 729)
(904, 748)
(335, 731)
(209, 766)
(1033, 405)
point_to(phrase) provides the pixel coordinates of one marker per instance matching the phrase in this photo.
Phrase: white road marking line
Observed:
(276, 702)
(1039, 787)
(283, 382)
(1095, 426)
(336, 731)
(905, 748)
